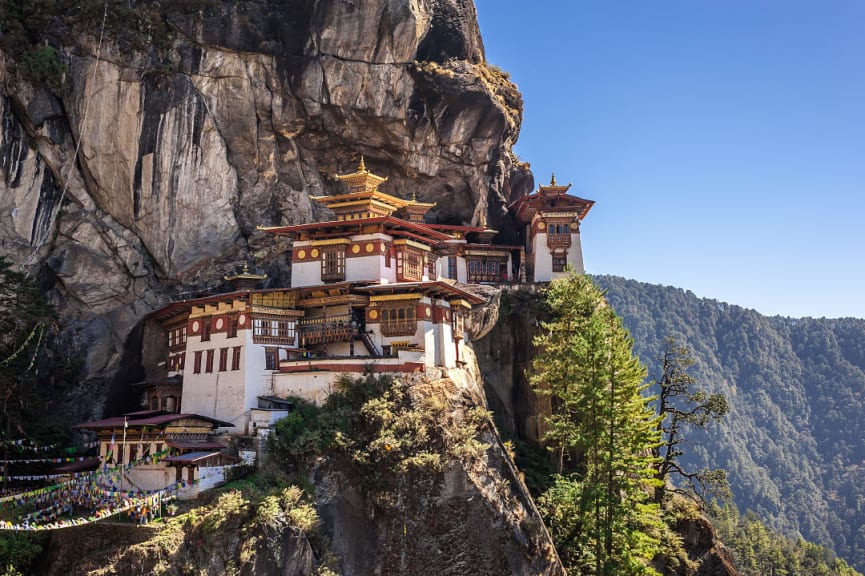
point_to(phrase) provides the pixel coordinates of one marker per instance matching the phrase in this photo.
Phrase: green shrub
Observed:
(17, 551)
(42, 65)
(375, 427)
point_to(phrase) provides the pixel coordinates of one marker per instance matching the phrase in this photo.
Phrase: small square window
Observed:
(271, 359)
(559, 263)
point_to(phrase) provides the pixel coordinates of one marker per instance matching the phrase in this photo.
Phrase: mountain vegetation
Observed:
(793, 443)
(602, 431)
(758, 550)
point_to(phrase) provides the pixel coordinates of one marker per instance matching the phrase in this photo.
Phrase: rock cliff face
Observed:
(187, 144)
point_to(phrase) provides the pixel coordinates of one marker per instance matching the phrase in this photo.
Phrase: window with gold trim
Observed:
(398, 319)
(409, 264)
(274, 331)
(333, 264)
(559, 234)
(457, 324)
(487, 269)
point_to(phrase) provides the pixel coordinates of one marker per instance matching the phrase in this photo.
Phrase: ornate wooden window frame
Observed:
(409, 264)
(398, 319)
(560, 261)
(333, 263)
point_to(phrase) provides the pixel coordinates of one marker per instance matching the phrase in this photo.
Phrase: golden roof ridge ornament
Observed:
(485, 223)
(245, 280)
(361, 180)
(554, 187)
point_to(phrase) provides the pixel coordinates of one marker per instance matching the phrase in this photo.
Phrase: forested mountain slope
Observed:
(793, 443)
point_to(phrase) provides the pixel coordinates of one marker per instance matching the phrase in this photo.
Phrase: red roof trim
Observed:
(493, 247)
(430, 285)
(393, 221)
(454, 227)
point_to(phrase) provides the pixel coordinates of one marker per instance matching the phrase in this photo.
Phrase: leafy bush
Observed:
(41, 64)
(375, 427)
(17, 551)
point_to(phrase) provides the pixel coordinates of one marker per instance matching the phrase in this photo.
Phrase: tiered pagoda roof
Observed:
(435, 288)
(551, 198)
(342, 228)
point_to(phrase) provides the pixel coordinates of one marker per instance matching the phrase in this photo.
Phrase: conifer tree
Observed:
(680, 405)
(603, 432)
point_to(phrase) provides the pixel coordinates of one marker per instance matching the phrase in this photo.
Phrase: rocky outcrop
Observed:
(224, 538)
(699, 539)
(475, 517)
(224, 116)
(504, 353)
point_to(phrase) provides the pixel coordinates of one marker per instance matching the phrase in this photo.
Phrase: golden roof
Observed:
(361, 180)
(363, 198)
(553, 188)
(245, 275)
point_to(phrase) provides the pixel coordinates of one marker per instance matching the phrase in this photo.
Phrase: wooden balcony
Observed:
(558, 240)
(275, 340)
(327, 329)
(399, 327)
(500, 278)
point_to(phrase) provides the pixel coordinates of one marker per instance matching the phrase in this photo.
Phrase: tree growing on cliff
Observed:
(603, 432)
(680, 405)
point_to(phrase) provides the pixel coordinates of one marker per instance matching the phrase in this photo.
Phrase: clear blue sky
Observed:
(723, 140)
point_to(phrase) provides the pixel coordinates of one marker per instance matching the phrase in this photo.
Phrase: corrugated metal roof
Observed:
(192, 457)
(198, 446)
(148, 418)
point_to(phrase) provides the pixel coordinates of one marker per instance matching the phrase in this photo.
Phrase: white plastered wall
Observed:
(307, 273)
(216, 394)
(430, 342)
(575, 254)
(446, 355)
(148, 477)
(311, 386)
(259, 379)
(462, 270)
(369, 268)
(543, 258)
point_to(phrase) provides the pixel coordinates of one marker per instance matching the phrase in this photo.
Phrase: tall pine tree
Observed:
(603, 432)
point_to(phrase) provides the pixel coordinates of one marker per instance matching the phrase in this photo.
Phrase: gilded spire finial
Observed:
(484, 220)
(414, 195)
(361, 167)
(553, 179)
(245, 268)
